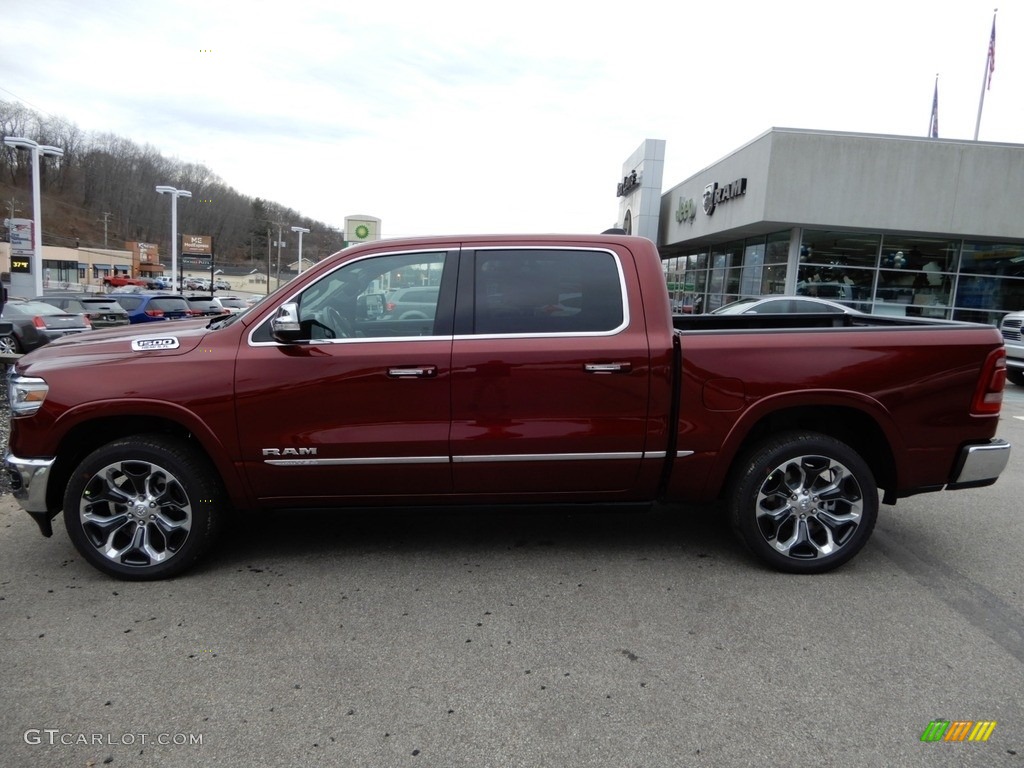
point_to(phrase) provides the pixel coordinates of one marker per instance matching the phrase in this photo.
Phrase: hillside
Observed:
(102, 193)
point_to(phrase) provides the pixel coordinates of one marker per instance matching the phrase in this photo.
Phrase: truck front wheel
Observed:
(803, 502)
(144, 507)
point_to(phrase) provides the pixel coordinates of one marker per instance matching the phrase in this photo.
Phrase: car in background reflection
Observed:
(411, 303)
(785, 305)
(233, 304)
(155, 307)
(206, 305)
(35, 323)
(102, 311)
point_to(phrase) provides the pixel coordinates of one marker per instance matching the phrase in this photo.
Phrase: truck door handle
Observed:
(415, 372)
(606, 367)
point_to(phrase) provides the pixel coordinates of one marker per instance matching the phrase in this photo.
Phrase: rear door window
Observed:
(527, 291)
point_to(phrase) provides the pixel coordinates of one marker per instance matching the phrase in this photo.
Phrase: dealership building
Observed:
(893, 225)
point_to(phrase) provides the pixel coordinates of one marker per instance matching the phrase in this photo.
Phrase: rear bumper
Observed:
(980, 464)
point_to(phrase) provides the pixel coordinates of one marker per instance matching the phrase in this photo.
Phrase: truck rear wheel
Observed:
(804, 502)
(144, 507)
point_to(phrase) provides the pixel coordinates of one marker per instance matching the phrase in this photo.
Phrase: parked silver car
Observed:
(102, 311)
(1012, 328)
(784, 305)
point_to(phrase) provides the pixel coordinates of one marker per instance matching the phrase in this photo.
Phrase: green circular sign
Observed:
(362, 231)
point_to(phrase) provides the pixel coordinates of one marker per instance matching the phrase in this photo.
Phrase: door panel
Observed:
(361, 408)
(374, 433)
(550, 385)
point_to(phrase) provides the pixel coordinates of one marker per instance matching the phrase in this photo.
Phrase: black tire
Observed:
(1016, 376)
(803, 502)
(144, 507)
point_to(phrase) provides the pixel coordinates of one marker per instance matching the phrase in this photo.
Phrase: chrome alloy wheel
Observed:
(135, 513)
(809, 507)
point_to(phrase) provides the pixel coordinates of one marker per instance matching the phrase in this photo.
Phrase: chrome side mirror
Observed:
(285, 326)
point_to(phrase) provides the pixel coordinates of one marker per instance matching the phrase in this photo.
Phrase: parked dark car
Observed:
(35, 323)
(155, 307)
(102, 311)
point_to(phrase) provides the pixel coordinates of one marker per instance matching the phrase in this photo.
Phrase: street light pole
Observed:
(37, 216)
(300, 230)
(163, 189)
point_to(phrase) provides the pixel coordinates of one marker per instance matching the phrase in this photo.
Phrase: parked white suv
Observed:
(1013, 338)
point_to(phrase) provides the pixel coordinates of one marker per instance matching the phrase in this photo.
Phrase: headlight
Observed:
(26, 394)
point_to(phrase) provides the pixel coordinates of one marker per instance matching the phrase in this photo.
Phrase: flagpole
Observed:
(989, 67)
(933, 124)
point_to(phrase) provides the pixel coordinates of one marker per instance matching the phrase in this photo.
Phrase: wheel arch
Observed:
(86, 436)
(857, 428)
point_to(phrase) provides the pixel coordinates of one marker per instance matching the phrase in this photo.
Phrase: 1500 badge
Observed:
(151, 343)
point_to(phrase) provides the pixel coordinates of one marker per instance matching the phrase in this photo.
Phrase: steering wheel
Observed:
(338, 324)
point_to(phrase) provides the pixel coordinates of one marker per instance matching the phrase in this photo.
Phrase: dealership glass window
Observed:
(674, 278)
(695, 282)
(851, 286)
(776, 248)
(915, 276)
(993, 259)
(839, 249)
(724, 281)
(773, 279)
(918, 293)
(753, 267)
(916, 254)
(764, 265)
(986, 299)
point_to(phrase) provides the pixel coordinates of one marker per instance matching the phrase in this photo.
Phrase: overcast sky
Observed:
(465, 117)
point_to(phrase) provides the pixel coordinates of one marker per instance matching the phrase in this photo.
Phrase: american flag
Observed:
(933, 127)
(992, 53)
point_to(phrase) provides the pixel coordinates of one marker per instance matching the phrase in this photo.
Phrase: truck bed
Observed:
(712, 322)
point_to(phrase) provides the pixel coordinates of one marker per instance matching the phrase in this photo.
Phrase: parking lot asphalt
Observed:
(483, 637)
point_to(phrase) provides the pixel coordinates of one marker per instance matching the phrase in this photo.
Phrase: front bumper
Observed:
(29, 480)
(980, 465)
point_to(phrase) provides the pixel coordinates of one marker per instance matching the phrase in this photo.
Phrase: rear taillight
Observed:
(988, 395)
(88, 322)
(38, 322)
(154, 313)
(390, 306)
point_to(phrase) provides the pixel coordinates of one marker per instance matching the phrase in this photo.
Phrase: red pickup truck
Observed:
(119, 281)
(539, 369)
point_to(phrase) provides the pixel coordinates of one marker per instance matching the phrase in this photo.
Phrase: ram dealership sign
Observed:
(714, 195)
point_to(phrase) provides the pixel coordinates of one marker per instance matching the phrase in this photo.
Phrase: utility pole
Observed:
(11, 206)
(279, 227)
(106, 217)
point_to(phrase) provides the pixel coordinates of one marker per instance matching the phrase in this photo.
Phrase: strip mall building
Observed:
(894, 225)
